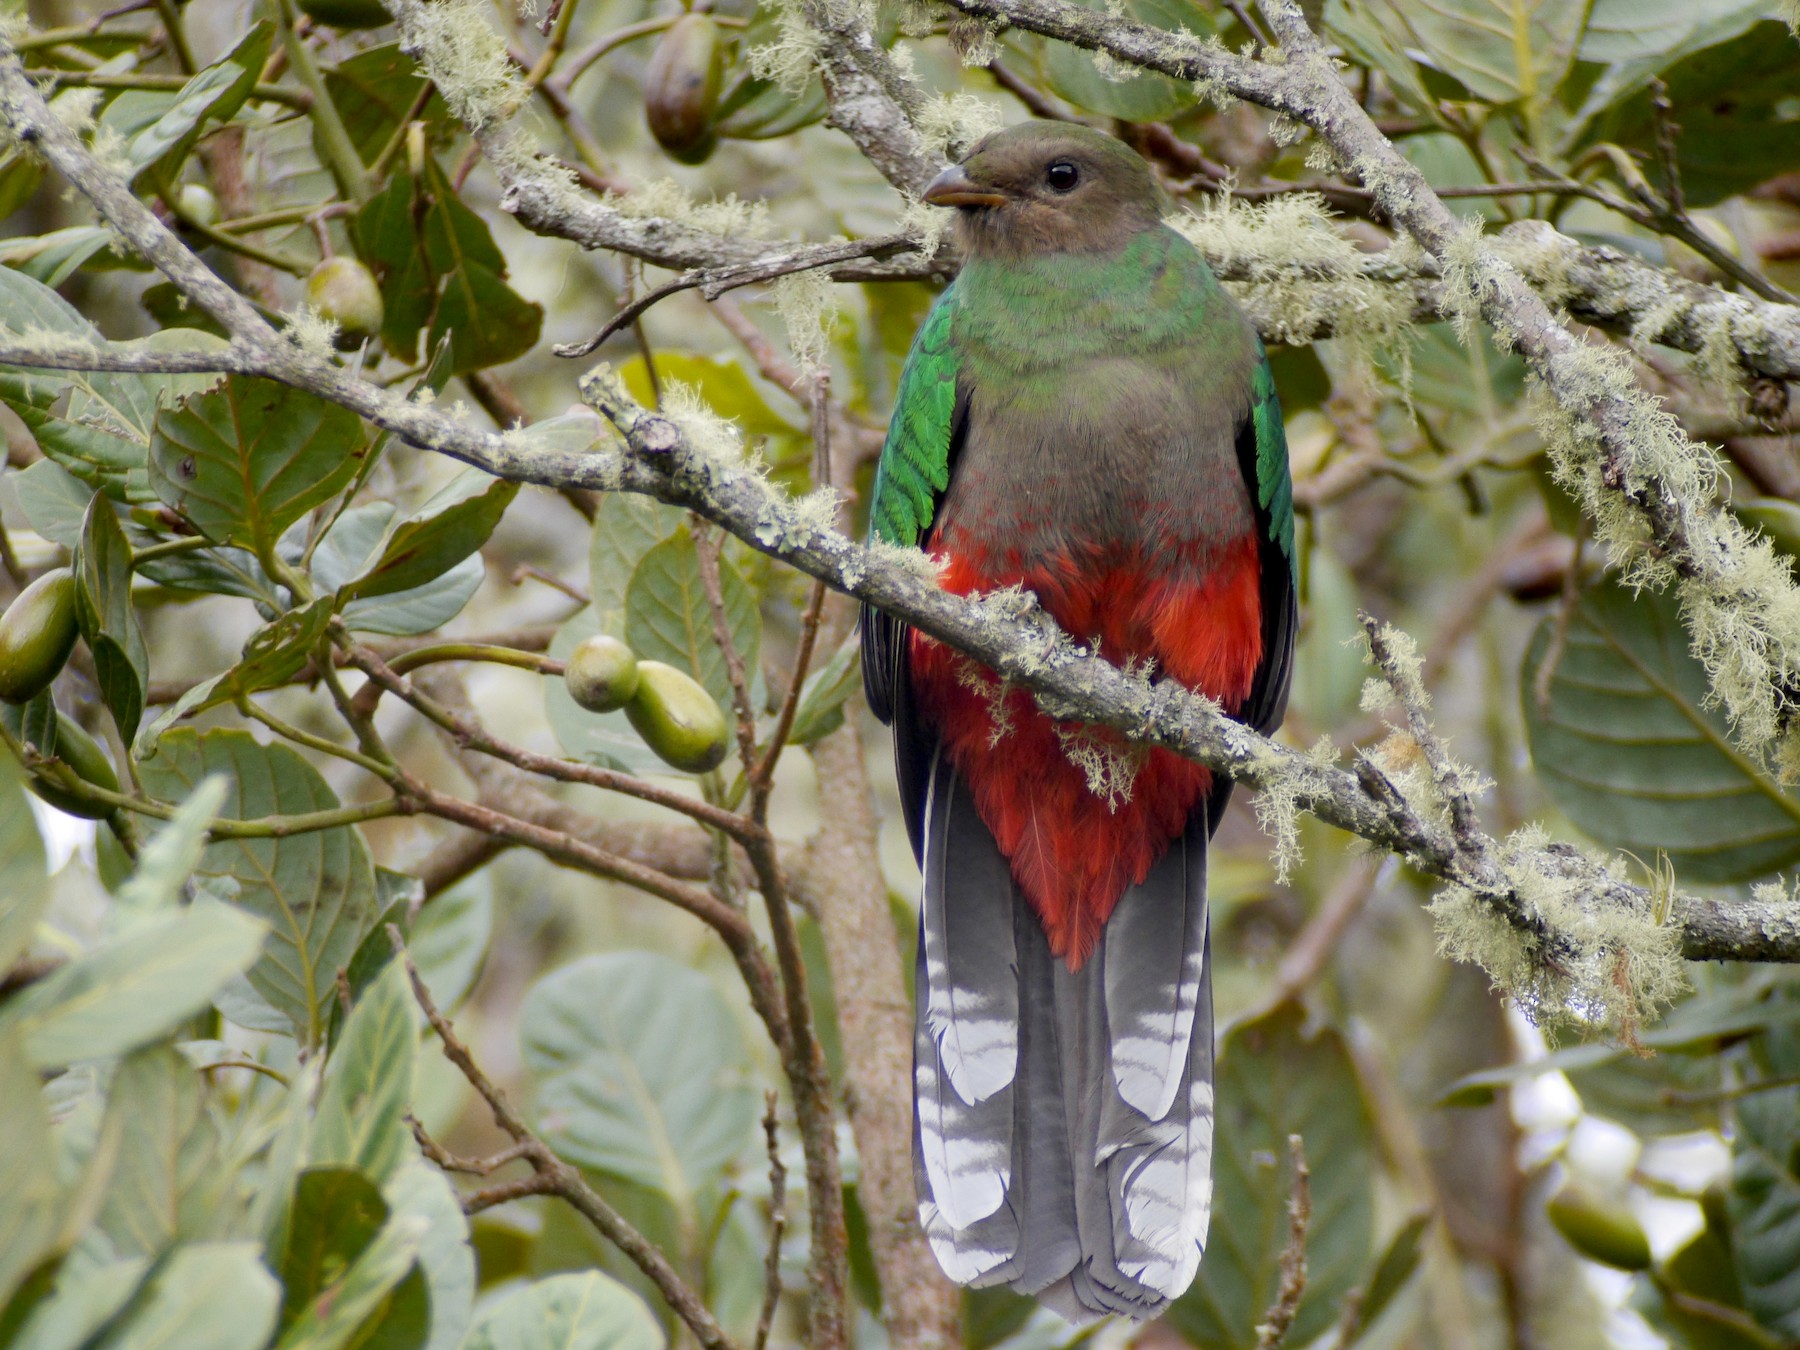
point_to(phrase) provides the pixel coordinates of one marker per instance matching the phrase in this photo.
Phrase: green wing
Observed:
(1263, 458)
(1274, 486)
(915, 461)
(912, 474)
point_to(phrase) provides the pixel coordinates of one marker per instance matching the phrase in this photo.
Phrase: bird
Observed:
(1087, 414)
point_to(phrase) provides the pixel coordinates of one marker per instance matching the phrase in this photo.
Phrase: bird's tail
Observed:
(1064, 1120)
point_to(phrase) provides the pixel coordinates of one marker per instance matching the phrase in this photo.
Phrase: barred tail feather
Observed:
(1064, 1118)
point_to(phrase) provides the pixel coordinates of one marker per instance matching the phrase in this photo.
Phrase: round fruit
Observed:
(681, 88)
(601, 674)
(344, 291)
(82, 753)
(1599, 1227)
(678, 719)
(347, 14)
(37, 633)
(197, 203)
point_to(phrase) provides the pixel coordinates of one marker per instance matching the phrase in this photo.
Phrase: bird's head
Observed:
(1049, 187)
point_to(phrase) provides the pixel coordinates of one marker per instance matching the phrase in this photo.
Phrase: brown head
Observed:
(1049, 187)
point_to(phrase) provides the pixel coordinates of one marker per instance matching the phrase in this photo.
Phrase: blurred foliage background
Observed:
(210, 1056)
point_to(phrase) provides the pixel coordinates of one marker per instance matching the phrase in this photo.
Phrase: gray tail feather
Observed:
(1063, 1140)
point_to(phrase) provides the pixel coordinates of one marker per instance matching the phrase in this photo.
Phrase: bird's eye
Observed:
(1062, 176)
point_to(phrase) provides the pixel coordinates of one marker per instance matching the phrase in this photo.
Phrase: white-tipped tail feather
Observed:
(1064, 1119)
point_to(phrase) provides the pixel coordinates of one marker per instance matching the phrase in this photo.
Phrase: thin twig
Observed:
(777, 1225)
(1280, 1317)
(716, 281)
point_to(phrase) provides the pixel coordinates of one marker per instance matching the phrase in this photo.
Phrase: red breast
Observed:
(1080, 814)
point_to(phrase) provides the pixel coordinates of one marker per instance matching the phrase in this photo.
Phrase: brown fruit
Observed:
(344, 291)
(37, 632)
(601, 674)
(681, 88)
(678, 719)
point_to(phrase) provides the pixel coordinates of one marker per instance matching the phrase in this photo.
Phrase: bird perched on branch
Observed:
(1084, 413)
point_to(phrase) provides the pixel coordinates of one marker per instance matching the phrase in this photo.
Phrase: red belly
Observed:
(1080, 814)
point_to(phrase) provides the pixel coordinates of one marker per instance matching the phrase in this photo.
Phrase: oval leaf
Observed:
(1627, 748)
(587, 1311)
(640, 1071)
(667, 617)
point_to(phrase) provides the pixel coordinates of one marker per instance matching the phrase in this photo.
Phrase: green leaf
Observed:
(1275, 1080)
(361, 1120)
(275, 653)
(206, 1296)
(486, 321)
(721, 384)
(1765, 1181)
(1731, 83)
(1502, 51)
(316, 891)
(627, 525)
(1075, 75)
(353, 546)
(386, 231)
(168, 1177)
(640, 1071)
(103, 607)
(30, 1196)
(1394, 1270)
(584, 1311)
(1712, 1315)
(170, 857)
(84, 1300)
(450, 937)
(134, 987)
(1629, 750)
(365, 1293)
(451, 526)
(667, 617)
(54, 500)
(213, 95)
(245, 461)
(24, 889)
(821, 708)
(445, 1258)
(102, 436)
(335, 1214)
(374, 91)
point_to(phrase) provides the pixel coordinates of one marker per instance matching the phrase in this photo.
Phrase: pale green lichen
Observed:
(807, 303)
(709, 436)
(789, 61)
(311, 332)
(1295, 275)
(1602, 960)
(1108, 762)
(466, 59)
(1278, 803)
(1738, 596)
(664, 199)
(948, 125)
(1464, 272)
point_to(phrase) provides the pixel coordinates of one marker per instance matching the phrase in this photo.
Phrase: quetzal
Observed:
(1085, 413)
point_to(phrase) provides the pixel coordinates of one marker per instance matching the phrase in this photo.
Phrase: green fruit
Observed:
(347, 13)
(82, 753)
(601, 674)
(37, 633)
(1599, 1227)
(344, 291)
(678, 719)
(681, 88)
(197, 203)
